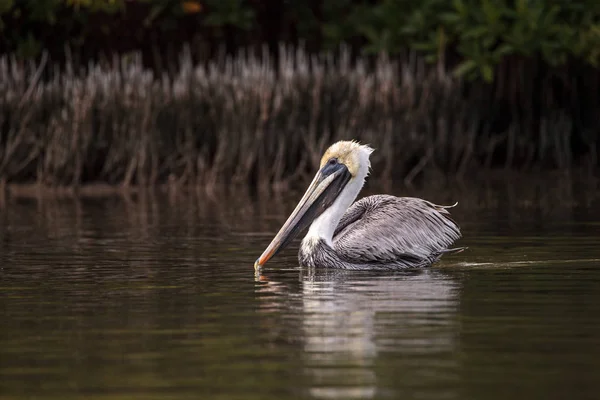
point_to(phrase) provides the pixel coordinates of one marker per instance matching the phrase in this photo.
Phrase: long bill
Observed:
(322, 192)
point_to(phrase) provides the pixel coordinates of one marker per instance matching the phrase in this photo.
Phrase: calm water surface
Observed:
(155, 297)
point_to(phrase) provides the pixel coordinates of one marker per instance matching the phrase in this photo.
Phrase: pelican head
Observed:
(342, 172)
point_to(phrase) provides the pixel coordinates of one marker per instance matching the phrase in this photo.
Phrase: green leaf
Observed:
(6, 5)
(476, 32)
(487, 72)
(460, 7)
(503, 50)
(490, 11)
(450, 18)
(464, 68)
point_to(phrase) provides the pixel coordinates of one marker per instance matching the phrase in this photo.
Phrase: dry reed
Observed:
(246, 120)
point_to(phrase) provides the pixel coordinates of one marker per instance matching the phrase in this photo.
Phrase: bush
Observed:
(480, 32)
(472, 36)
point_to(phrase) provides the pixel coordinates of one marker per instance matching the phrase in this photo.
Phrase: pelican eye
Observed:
(331, 166)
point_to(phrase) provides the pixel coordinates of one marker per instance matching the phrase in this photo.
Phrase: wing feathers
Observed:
(385, 228)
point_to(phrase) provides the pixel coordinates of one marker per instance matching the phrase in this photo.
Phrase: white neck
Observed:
(324, 226)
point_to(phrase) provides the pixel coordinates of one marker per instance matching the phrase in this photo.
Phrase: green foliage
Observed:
(28, 18)
(482, 32)
(109, 6)
(229, 13)
(26, 15)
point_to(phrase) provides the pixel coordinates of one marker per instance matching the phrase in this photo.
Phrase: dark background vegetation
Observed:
(254, 90)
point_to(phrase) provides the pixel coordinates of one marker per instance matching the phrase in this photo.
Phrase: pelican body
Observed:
(376, 232)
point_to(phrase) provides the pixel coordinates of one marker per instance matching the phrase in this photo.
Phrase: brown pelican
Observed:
(376, 232)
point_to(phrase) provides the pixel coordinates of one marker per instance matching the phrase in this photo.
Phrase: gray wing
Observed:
(384, 228)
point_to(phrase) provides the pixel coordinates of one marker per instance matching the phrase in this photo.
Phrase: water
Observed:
(155, 297)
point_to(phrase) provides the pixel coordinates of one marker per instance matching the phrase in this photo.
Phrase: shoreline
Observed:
(100, 189)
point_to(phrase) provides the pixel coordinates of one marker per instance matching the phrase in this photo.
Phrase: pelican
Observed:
(376, 232)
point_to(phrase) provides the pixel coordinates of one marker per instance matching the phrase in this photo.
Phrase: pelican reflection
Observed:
(361, 333)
